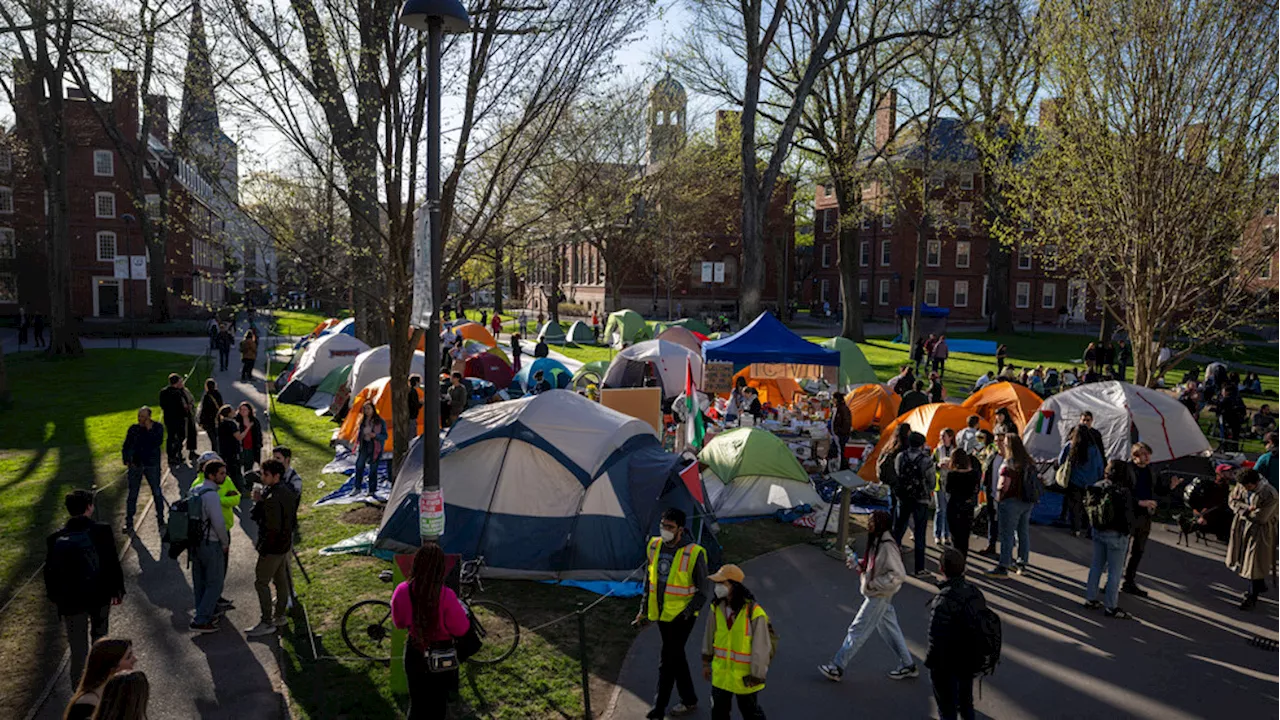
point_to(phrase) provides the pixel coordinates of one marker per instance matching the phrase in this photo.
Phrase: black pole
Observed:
(431, 393)
(582, 661)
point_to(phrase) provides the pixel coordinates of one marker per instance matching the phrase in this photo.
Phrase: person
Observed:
(904, 382)
(1232, 414)
(1111, 510)
(1251, 551)
(275, 510)
(1263, 421)
(1004, 423)
(1052, 381)
(24, 326)
(484, 318)
(37, 327)
(248, 437)
(229, 441)
(457, 397)
(1086, 419)
(881, 576)
(942, 463)
(524, 322)
(1014, 501)
(913, 399)
(210, 404)
(736, 404)
(540, 384)
(675, 591)
(1091, 356)
(990, 460)
(542, 318)
(954, 616)
(1002, 354)
(937, 393)
(224, 342)
(371, 436)
(595, 326)
(1266, 464)
(918, 354)
(434, 617)
(915, 473)
(495, 324)
(82, 576)
(961, 482)
(940, 354)
(1063, 316)
(248, 356)
(516, 352)
(173, 403)
(841, 429)
(1086, 467)
(967, 439)
(886, 471)
(1123, 357)
(736, 646)
(1036, 382)
(107, 657)
(415, 399)
(208, 553)
(211, 329)
(1142, 485)
(540, 349)
(141, 455)
(984, 380)
(124, 697)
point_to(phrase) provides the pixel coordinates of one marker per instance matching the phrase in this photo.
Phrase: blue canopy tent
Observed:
(767, 341)
(933, 320)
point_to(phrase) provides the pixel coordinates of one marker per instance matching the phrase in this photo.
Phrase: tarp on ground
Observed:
(580, 334)
(553, 370)
(929, 420)
(626, 327)
(1123, 414)
(973, 347)
(854, 368)
(552, 333)
(682, 336)
(377, 392)
(750, 472)
(1021, 403)
(872, 405)
(767, 340)
(668, 362)
(373, 364)
(552, 486)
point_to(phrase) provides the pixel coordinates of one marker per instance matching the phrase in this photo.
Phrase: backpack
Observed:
(1032, 488)
(75, 560)
(773, 634)
(1100, 505)
(187, 522)
(910, 486)
(988, 640)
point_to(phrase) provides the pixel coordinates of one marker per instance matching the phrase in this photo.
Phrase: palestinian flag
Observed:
(1044, 422)
(694, 427)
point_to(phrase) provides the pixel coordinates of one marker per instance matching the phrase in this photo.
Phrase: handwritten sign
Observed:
(717, 377)
(794, 370)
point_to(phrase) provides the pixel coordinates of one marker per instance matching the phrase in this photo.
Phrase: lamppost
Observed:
(128, 283)
(436, 17)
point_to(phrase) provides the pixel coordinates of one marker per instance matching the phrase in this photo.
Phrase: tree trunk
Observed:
(917, 291)
(847, 264)
(159, 312)
(783, 278)
(753, 260)
(5, 396)
(366, 243)
(498, 280)
(553, 300)
(998, 266)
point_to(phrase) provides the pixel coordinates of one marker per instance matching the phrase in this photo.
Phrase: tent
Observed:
(552, 486)
(854, 368)
(692, 325)
(668, 360)
(590, 373)
(488, 366)
(552, 333)
(767, 340)
(329, 387)
(346, 327)
(682, 336)
(929, 420)
(322, 355)
(778, 391)
(1123, 414)
(580, 334)
(553, 370)
(470, 331)
(376, 363)
(322, 326)
(750, 472)
(872, 405)
(626, 327)
(1021, 403)
(377, 392)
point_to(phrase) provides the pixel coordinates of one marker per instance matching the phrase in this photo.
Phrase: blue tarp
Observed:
(767, 340)
(927, 311)
(974, 347)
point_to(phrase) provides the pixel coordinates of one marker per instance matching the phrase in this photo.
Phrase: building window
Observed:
(933, 253)
(1049, 295)
(730, 271)
(1024, 260)
(866, 223)
(828, 190)
(961, 298)
(966, 181)
(8, 244)
(828, 219)
(1023, 295)
(1027, 219)
(886, 253)
(936, 182)
(153, 207)
(6, 160)
(104, 163)
(1265, 275)
(826, 255)
(106, 247)
(6, 200)
(964, 215)
(826, 290)
(884, 292)
(931, 292)
(864, 291)
(104, 205)
(8, 288)
(864, 254)
(887, 222)
(963, 249)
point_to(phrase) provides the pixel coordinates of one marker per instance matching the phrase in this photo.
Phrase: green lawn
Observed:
(63, 431)
(296, 322)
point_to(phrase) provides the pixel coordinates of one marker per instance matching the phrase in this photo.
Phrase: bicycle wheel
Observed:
(498, 630)
(366, 628)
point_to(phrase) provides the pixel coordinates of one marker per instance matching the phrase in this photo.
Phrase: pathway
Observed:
(1185, 656)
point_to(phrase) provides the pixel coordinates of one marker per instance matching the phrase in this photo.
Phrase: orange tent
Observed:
(475, 331)
(324, 325)
(379, 393)
(778, 391)
(1021, 402)
(929, 420)
(872, 404)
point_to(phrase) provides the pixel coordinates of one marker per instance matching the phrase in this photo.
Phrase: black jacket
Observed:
(59, 587)
(173, 403)
(912, 400)
(210, 404)
(276, 515)
(227, 442)
(962, 486)
(540, 350)
(953, 626)
(142, 446)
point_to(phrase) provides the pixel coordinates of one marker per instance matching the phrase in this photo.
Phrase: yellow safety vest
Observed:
(731, 663)
(680, 588)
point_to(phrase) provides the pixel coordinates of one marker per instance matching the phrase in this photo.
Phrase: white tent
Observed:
(1123, 414)
(682, 336)
(376, 363)
(324, 354)
(667, 358)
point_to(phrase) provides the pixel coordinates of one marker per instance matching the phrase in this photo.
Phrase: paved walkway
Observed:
(1185, 655)
(220, 675)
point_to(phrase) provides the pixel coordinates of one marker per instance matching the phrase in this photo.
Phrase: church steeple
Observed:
(199, 118)
(666, 119)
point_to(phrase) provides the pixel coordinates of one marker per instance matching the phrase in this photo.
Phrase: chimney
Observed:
(728, 127)
(124, 101)
(1195, 143)
(1048, 113)
(155, 113)
(886, 118)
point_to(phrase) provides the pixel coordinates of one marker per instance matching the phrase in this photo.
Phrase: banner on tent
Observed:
(774, 371)
(717, 377)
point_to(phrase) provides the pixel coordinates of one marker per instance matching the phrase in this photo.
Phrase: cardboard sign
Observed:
(717, 377)
(794, 370)
(642, 403)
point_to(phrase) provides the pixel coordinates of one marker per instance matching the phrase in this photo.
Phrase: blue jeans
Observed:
(875, 614)
(370, 460)
(152, 473)
(940, 527)
(1109, 548)
(917, 515)
(1015, 517)
(208, 573)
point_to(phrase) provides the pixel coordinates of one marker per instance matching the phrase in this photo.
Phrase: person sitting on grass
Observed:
(1264, 421)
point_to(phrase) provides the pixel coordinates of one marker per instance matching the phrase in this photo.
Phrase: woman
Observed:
(942, 460)
(229, 440)
(736, 646)
(988, 458)
(882, 575)
(107, 657)
(370, 438)
(1087, 465)
(210, 404)
(841, 429)
(495, 324)
(124, 697)
(1111, 539)
(515, 353)
(248, 355)
(434, 617)
(961, 485)
(1091, 356)
(1014, 510)
(886, 471)
(1002, 353)
(249, 437)
(737, 402)
(1004, 423)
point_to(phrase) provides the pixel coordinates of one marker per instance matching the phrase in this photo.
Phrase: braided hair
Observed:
(425, 584)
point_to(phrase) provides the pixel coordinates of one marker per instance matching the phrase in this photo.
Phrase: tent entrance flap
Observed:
(795, 370)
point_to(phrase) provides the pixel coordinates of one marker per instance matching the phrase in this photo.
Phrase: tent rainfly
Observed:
(682, 336)
(329, 387)
(552, 333)
(377, 392)
(767, 341)
(580, 334)
(854, 368)
(376, 363)
(749, 472)
(626, 327)
(668, 360)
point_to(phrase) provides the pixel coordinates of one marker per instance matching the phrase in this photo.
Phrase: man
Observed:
(283, 455)
(967, 439)
(936, 392)
(484, 318)
(1122, 359)
(1266, 464)
(540, 384)
(1143, 486)
(457, 397)
(275, 510)
(940, 354)
(415, 400)
(1086, 419)
(1232, 415)
(248, 356)
(208, 553)
(903, 381)
(1251, 553)
(192, 433)
(141, 455)
(985, 380)
(992, 459)
(540, 350)
(211, 329)
(674, 593)
(912, 468)
(224, 342)
(1264, 421)
(524, 322)
(953, 623)
(82, 576)
(914, 398)
(173, 403)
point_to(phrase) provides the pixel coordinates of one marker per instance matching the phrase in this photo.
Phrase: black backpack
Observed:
(1104, 505)
(988, 640)
(910, 481)
(76, 565)
(1032, 488)
(187, 523)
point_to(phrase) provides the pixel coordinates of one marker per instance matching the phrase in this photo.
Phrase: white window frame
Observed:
(964, 215)
(104, 163)
(13, 282)
(967, 247)
(887, 221)
(8, 243)
(886, 253)
(828, 190)
(1266, 270)
(6, 200)
(153, 206)
(933, 253)
(864, 253)
(864, 291)
(931, 286)
(882, 296)
(98, 198)
(1022, 295)
(825, 290)
(960, 294)
(826, 255)
(828, 220)
(103, 236)
(966, 181)
(1024, 261)
(1049, 295)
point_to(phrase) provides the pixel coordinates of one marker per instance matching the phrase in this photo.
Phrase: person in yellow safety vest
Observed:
(736, 647)
(674, 592)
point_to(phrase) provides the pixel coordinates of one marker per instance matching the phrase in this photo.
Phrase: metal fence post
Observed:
(582, 660)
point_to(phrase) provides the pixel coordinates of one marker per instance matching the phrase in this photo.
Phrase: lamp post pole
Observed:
(128, 283)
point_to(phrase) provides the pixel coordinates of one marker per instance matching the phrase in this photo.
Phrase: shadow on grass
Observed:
(327, 688)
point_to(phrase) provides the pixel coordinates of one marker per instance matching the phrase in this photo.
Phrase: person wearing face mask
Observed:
(736, 647)
(673, 595)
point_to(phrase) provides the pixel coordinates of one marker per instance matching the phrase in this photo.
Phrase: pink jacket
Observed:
(453, 617)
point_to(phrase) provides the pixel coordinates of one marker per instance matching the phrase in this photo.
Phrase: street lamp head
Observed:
(453, 16)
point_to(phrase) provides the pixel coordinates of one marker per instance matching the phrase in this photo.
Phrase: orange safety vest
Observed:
(680, 588)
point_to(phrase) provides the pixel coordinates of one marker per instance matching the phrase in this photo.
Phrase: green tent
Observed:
(335, 379)
(580, 334)
(854, 368)
(629, 327)
(552, 333)
(747, 452)
(693, 325)
(592, 372)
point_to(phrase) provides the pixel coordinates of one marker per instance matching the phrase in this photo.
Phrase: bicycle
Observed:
(366, 625)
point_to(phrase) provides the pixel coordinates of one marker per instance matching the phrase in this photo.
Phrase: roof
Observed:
(668, 89)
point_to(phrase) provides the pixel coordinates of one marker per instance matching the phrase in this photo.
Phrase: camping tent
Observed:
(321, 356)
(329, 387)
(346, 327)
(322, 326)
(470, 331)
(778, 391)
(1123, 414)
(488, 366)
(552, 486)
(872, 405)
(682, 336)
(767, 340)
(626, 327)
(590, 373)
(750, 472)
(553, 370)
(667, 359)
(552, 333)
(376, 363)
(692, 325)
(929, 420)
(580, 334)
(1017, 399)
(854, 368)
(377, 392)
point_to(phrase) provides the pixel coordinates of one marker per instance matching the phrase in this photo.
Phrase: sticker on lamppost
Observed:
(431, 513)
(423, 300)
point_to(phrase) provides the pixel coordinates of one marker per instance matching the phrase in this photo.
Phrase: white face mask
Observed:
(722, 591)
(667, 535)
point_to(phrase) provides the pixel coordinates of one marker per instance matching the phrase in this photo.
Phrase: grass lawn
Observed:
(63, 432)
(296, 322)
